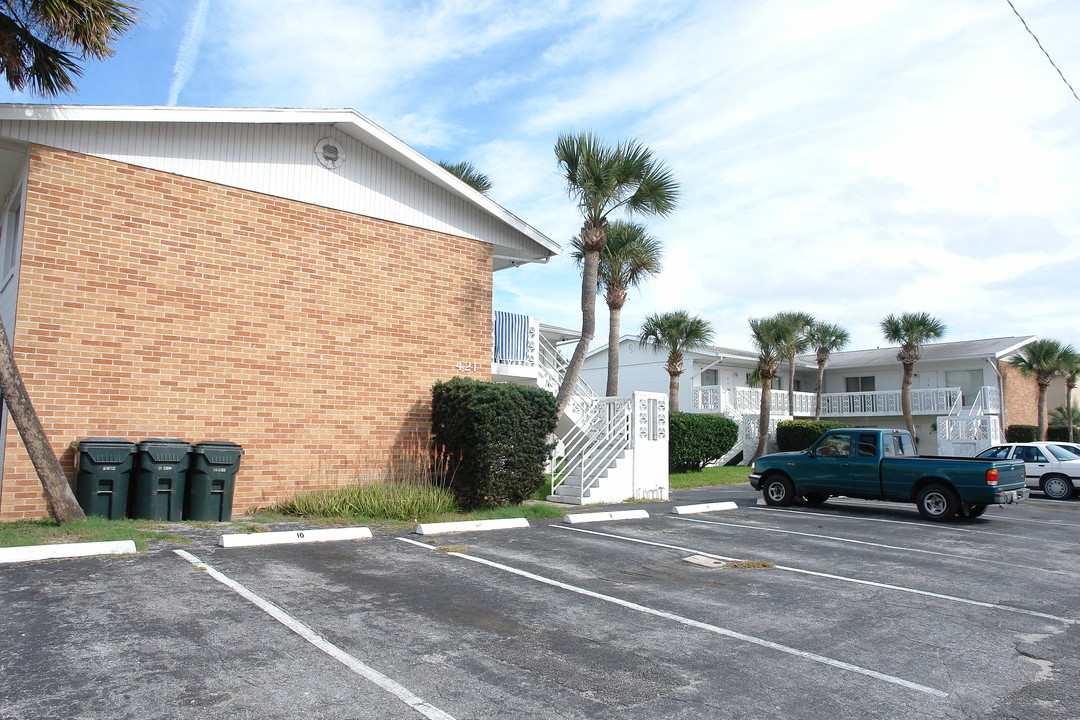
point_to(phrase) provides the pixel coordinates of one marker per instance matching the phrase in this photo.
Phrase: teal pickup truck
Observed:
(882, 465)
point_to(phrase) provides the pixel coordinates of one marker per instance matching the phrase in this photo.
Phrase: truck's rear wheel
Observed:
(1056, 487)
(778, 490)
(937, 502)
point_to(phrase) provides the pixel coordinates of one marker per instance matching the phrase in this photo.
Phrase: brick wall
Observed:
(152, 305)
(1021, 397)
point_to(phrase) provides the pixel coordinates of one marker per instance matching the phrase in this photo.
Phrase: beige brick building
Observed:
(292, 281)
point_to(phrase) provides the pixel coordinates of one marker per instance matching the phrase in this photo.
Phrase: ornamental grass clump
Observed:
(416, 487)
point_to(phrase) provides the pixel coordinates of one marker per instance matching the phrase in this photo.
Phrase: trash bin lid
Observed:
(106, 450)
(218, 452)
(164, 450)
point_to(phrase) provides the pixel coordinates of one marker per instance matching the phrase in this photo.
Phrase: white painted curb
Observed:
(467, 525)
(706, 507)
(29, 553)
(578, 518)
(294, 536)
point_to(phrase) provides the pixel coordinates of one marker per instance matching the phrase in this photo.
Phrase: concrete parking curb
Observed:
(705, 507)
(465, 526)
(578, 518)
(294, 536)
(29, 553)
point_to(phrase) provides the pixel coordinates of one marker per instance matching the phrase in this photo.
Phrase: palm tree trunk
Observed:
(905, 399)
(673, 390)
(614, 320)
(1042, 411)
(763, 418)
(590, 267)
(62, 501)
(1069, 409)
(820, 389)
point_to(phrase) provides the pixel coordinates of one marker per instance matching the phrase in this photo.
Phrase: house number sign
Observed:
(467, 367)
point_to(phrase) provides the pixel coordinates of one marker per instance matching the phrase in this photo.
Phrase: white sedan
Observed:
(1047, 466)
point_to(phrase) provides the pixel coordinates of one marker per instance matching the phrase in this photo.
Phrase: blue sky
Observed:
(846, 158)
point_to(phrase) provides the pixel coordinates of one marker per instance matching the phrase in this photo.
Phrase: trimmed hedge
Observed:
(697, 440)
(1060, 433)
(801, 434)
(496, 439)
(1021, 433)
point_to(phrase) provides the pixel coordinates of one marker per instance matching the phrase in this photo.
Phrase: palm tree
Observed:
(910, 331)
(603, 180)
(629, 256)
(39, 43)
(1042, 359)
(1070, 368)
(42, 42)
(769, 335)
(825, 339)
(678, 333)
(796, 340)
(468, 174)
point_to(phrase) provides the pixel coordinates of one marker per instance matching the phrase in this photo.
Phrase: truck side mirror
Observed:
(810, 452)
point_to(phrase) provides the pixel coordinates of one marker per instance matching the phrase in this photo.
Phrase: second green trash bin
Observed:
(211, 480)
(159, 478)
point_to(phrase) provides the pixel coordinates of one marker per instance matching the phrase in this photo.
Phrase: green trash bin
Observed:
(103, 476)
(211, 479)
(159, 479)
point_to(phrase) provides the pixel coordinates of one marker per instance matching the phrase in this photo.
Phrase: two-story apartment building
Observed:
(290, 280)
(964, 393)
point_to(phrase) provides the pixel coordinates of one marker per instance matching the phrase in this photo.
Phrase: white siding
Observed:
(280, 160)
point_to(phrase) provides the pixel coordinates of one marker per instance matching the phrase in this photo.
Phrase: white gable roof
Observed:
(273, 151)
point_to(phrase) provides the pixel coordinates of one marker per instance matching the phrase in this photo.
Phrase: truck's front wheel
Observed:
(937, 502)
(778, 490)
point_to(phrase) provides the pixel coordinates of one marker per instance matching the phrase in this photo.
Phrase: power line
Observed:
(1044, 50)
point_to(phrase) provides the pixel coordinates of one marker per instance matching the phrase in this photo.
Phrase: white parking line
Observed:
(695, 623)
(910, 523)
(829, 576)
(953, 555)
(397, 690)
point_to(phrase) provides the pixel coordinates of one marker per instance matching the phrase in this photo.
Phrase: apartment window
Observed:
(859, 384)
(710, 377)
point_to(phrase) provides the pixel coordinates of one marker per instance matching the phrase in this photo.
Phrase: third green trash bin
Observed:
(103, 476)
(210, 481)
(159, 478)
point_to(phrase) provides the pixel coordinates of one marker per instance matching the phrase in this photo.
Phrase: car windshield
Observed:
(1061, 453)
(998, 453)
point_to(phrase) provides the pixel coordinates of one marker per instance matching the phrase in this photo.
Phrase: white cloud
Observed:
(188, 54)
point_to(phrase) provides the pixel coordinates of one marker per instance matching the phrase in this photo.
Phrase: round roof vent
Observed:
(329, 153)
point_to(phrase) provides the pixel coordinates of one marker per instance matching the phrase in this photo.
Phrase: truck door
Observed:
(832, 465)
(846, 464)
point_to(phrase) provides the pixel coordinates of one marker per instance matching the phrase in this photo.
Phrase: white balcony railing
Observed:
(740, 400)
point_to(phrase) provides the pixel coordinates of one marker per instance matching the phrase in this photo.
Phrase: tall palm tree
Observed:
(468, 174)
(630, 256)
(1042, 359)
(39, 46)
(677, 332)
(910, 331)
(769, 335)
(42, 42)
(825, 339)
(602, 180)
(796, 340)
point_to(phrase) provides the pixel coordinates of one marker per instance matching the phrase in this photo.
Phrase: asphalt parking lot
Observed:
(869, 611)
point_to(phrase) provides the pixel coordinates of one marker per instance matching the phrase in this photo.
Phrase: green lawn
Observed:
(709, 477)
